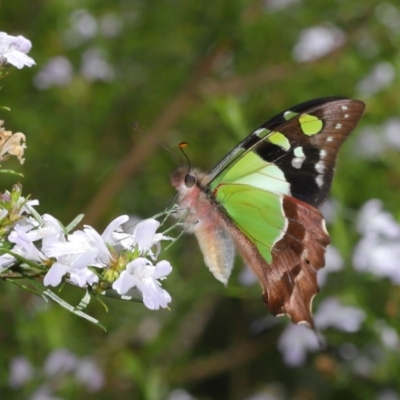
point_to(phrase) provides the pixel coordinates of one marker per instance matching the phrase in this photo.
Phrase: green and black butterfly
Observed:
(262, 198)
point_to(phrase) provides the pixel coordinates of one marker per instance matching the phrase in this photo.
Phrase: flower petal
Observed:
(124, 282)
(162, 269)
(55, 274)
(19, 59)
(144, 234)
(112, 227)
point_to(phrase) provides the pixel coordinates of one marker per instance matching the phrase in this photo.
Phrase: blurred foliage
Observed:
(205, 73)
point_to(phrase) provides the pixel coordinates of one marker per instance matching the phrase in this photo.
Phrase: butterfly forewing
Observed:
(297, 150)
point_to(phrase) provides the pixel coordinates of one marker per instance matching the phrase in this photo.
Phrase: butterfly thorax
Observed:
(195, 205)
(200, 214)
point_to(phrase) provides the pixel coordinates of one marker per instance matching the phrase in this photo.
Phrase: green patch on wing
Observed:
(310, 125)
(256, 212)
(280, 140)
(250, 169)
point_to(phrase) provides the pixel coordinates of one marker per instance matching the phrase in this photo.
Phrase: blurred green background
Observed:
(206, 73)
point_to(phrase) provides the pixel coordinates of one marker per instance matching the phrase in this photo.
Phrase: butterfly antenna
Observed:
(153, 139)
(182, 146)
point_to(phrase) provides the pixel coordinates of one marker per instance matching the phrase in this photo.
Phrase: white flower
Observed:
(77, 252)
(88, 373)
(36, 231)
(380, 257)
(382, 75)
(317, 41)
(112, 228)
(140, 273)
(144, 237)
(294, 343)
(57, 71)
(56, 273)
(388, 335)
(24, 234)
(297, 340)
(60, 362)
(83, 277)
(95, 67)
(14, 49)
(6, 261)
(21, 371)
(373, 220)
(24, 245)
(331, 313)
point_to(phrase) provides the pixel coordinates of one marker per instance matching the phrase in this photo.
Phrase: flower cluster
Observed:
(112, 260)
(61, 365)
(34, 246)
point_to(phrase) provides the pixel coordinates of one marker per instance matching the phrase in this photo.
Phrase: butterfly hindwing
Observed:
(297, 257)
(283, 240)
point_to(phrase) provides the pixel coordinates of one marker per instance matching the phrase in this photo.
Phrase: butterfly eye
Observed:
(190, 180)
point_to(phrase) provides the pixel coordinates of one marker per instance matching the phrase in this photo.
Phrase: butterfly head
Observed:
(186, 179)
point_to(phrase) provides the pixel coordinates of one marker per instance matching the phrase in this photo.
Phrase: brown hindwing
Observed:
(291, 284)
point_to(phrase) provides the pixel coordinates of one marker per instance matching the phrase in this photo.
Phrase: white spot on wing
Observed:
(298, 152)
(338, 126)
(329, 139)
(297, 161)
(319, 180)
(346, 115)
(323, 153)
(344, 108)
(320, 167)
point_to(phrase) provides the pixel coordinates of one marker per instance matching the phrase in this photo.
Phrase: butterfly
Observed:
(262, 198)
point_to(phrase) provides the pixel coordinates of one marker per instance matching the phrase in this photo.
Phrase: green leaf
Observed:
(11, 172)
(74, 222)
(74, 310)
